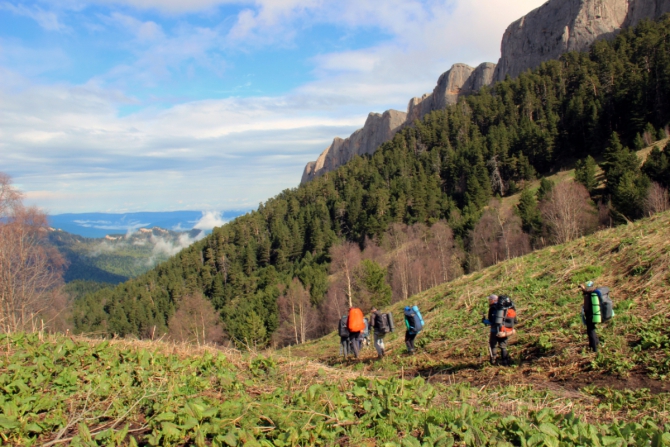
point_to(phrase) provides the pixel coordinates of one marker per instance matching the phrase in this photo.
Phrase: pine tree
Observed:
(585, 173)
(527, 209)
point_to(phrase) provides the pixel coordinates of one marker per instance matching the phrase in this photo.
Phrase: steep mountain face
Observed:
(544, 34)
(459, 80)
(560, 26)
(378, 128)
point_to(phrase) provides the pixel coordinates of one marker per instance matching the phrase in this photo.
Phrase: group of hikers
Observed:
(354, 328)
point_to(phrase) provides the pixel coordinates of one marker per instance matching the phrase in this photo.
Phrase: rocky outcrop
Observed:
(483, 75)
(560, 26)
(543, 34)
(459, 80)
(378, 129)
(645, 9)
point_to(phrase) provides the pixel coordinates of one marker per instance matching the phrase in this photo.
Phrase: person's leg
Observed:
(504, 357)
(493, 342)
(379, 345)
(593, 336)
(354, 343)
(408, 341)
(344, 341)
(412, 347)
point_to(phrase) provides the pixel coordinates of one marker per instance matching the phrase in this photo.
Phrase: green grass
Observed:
(633, 260)
(61, 391)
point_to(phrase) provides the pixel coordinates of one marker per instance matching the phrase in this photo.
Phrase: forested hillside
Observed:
(445, 168)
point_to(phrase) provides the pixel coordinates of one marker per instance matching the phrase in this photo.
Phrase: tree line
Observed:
(424, 207)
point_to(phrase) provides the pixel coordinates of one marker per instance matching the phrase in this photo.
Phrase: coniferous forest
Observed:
(582, 110)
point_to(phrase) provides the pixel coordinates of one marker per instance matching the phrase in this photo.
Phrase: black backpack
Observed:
(383, 324)
(343, 329)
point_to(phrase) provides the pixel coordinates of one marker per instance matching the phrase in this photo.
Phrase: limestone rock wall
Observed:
(560, 26)
(543, 34)
(378, 129)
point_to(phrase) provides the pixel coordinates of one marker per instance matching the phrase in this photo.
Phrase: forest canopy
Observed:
(586, 107)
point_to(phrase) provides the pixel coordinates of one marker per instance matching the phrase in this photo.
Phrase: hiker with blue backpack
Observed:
(414, 324)
(597, 308)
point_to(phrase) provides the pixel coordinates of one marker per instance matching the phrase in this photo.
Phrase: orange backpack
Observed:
(507, 327)
(356, 322)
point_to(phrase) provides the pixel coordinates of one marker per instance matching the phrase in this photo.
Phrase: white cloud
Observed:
(164, 246)
(71, 151)
(209, 220)
(48, 20)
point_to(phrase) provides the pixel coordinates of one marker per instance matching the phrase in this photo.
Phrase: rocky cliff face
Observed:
(543, 34)
(460, 79)
(645, 9)
(378, 128)
(560, 26)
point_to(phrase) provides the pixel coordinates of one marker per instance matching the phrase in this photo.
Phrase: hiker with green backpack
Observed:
(597, 308)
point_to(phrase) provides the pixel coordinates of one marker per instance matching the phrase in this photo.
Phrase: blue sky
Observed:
(212, 105)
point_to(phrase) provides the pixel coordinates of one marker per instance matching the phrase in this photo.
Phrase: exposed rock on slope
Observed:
(560, 26)
(378, 128)
(543, 34)
(460, 79)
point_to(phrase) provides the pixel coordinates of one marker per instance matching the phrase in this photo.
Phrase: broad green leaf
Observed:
(167, 416)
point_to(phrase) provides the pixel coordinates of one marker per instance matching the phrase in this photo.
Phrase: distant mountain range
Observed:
(117, 258)
(97, 225)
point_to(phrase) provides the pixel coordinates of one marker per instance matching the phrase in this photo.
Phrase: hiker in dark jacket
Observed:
(412, 332)
(494, 340)
(589, 318)
(376, 324)
(344, 340)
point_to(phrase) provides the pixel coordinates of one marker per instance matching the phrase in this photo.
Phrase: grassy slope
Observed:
(633, 260)
(60, 391)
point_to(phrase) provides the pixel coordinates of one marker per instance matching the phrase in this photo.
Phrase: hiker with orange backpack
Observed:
(356, 325)
(501, 318)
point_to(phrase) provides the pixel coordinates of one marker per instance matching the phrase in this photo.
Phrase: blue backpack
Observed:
(414, 319)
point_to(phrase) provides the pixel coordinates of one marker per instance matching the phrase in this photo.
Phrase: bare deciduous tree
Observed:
(568, 212)
(498, 235)
(196, 321)
(29, 268)
(421, 258)
(345, 259)
(657, 200)
(298, 318)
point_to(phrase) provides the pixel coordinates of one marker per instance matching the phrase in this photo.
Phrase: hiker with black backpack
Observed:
(414, 323)
(597, 308)
(382, 323)
(502, 318)
(343, 331)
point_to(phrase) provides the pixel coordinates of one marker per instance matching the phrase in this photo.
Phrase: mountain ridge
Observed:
(547, 32)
